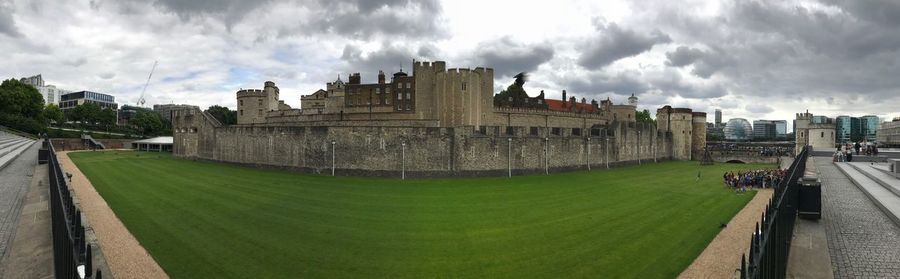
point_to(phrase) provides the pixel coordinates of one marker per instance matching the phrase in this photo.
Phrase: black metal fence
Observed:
(770, 243)
(71, 254)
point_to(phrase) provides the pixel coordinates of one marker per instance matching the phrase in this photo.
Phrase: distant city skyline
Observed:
(756, 67)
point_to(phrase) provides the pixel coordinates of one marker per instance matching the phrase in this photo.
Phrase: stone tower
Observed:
(633, 100)
(253, 104)
(698, 134)
(678, 122)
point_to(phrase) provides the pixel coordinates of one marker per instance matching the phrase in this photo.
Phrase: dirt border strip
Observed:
(722, 258)
(124, 254)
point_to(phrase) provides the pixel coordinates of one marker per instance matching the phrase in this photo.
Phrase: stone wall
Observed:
(62, 144)
(428, 151)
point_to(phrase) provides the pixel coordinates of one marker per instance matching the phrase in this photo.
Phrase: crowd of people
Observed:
(767, 151)
(844, 152)
(744, 180)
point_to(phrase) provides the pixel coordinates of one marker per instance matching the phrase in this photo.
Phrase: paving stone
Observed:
(862, 240)
(14, 181)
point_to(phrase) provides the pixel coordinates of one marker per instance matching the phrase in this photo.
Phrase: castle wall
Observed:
(429, 151)
(821, 138)
(698, 135)
(252, 106)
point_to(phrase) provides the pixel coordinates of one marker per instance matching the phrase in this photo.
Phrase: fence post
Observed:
(589, 153)
(607, 151)
(509, 156)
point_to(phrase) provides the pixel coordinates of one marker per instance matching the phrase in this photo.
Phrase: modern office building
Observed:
(780, 129)
(715, 131)
(738, 129)
(820, 119)
(49, 92)
(71, 100)
(869, 125)
(848, 129)
(763, 129)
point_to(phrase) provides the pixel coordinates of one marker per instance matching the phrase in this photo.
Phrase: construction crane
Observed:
(141, 100)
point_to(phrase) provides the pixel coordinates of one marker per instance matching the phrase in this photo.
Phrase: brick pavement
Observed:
(862, 240)
(14, 181)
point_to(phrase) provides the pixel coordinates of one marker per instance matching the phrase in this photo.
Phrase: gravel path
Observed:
(125, 256)
(722, 258)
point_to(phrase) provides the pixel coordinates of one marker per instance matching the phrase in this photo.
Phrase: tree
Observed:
(107, 117)
(88, 114)
(53, 113)
(223, 114)
(644, 117)
(17, 98)
(148, 122)
(21, 107)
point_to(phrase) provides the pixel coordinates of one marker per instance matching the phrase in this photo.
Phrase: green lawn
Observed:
(210, 220)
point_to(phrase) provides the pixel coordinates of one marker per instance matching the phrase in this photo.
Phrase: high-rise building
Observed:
(869, 125)
(848, 129)
(718, 118)
(763, 129)
(49, 92)
(780, 129)
(820, 119)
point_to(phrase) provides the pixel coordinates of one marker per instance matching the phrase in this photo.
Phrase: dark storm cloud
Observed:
(351, 18)
(671, 82)
(614, 43)
(759, 108)
(390, 59)
(362, 19)
(7, 24)
(597, 84)
(683, 56)
(509, 58)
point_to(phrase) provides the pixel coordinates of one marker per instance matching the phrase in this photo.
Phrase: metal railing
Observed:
(770, 243)
(71, 254)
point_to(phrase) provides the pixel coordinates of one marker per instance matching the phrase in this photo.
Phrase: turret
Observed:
(380, 77)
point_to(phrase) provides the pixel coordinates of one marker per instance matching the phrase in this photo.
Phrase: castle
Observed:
(435, 122)
(809, 133)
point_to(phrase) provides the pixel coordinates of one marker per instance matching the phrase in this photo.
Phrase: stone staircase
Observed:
(11, 146)
(882, 188)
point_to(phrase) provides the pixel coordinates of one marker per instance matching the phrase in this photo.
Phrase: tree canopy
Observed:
(644, 117)
(223, 114)
(53, 113)
(17, 98)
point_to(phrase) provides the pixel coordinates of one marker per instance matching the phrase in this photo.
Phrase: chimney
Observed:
(380, 77)
(564, 96)
(355, 78)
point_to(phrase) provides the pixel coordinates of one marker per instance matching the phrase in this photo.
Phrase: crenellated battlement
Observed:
(251, 93)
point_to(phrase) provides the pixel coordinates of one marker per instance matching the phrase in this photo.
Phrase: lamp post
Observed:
(332, 158)
(509, 156)
(607, 152)
(639, 147)
(546, 155)
(403, 160)
(589, 153)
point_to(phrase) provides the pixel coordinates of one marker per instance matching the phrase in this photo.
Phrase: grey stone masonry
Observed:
(862, 240)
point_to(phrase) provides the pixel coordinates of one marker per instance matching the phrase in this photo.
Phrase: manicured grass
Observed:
(210, 220)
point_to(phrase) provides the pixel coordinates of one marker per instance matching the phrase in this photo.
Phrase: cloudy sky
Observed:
(752, 59)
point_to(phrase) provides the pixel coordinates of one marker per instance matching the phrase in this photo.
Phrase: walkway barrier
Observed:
(71, 254)
(770, 242)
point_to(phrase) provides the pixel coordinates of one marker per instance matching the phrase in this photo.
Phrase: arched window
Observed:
(823, 135)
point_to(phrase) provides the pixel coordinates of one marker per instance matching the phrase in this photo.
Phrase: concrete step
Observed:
(8, 140)
(14, 152)
(7, 147)
(887, 200)
(886, 181)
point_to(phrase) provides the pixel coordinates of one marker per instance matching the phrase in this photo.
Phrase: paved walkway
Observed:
(14, 181)
(126, 257)
(722, 257)
(862, 241)
(31, 252)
